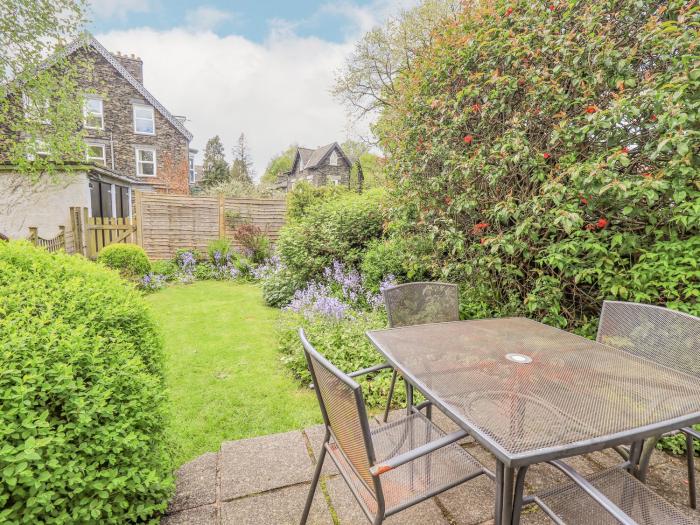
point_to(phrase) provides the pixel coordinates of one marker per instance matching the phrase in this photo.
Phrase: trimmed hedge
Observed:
(129, 259)
(84, 418)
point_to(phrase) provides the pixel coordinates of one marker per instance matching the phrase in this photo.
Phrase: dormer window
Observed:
(144, 120)
(333, 161)
(93, 113)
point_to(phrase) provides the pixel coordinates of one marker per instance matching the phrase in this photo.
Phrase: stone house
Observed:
(132, 143)
(323, 166)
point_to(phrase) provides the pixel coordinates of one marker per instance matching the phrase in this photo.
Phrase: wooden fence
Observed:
(167, 223)
(52, 245)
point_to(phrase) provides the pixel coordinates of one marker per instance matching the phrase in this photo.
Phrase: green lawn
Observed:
(224, 375)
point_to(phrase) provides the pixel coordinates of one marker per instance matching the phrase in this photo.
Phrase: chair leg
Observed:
(409, 398)
(518, 498)
(314, 482)
(391, 395)
(690, 452)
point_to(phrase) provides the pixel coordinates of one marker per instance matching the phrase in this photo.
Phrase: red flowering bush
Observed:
(586, 165)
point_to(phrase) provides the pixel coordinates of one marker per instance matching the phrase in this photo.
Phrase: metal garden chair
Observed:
(388, 468)
(666, 337)
(653, 333)
(418, 303)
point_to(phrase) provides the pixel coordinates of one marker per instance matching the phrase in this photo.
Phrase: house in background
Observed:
(323, 166)
(131, 142)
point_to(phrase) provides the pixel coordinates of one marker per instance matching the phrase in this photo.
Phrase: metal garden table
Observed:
(531, 393)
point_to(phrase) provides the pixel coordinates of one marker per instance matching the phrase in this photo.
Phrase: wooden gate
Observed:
(103, 231)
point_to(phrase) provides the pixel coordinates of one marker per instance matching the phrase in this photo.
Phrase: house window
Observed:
(93, 113)
(34, 110)
(334, 159)
(39, 148)
(193, 174)
(96, 154)
(144, 120)
(145, 162)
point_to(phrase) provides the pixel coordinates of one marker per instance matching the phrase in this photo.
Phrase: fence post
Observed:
(91, 249)
(33, 234)
(138, 205)
(222, 217)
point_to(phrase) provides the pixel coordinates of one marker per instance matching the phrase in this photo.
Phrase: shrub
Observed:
(168, 269)
(305, 196)
(278, 288)
(129, 259)
(84, 403)
(550, 153)
(256, 245)
(338, 230)
(219, 249)
(404, 258)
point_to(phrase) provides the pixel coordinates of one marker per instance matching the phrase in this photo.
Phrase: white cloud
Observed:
(105, 9)
(276, 92)
(206, 18)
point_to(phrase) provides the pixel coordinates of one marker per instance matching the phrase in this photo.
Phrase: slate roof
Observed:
(88, 40)
(313, 158)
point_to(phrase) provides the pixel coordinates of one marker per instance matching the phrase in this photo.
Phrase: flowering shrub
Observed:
(256, 245)
(551, 156)
(335, 312)
(152, 282)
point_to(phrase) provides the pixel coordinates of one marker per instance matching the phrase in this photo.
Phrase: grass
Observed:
(223, 371)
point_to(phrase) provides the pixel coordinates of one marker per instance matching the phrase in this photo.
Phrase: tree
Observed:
(242, 165)
(215, 168)
(40, 114)
(367, 168)
(366, 82)
(279, 164)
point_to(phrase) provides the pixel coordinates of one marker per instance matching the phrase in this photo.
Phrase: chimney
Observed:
(132, 64)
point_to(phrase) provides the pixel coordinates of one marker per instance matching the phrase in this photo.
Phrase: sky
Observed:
(263, 68)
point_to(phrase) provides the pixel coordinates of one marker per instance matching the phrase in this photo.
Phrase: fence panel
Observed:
(171, 222)
(52, 245)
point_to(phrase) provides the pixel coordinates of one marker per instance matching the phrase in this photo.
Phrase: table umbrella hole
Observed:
(519, 358)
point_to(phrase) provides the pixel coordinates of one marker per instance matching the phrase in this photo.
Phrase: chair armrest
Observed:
(371, 369)
(363, 371)
(407, 457)
(691, 432)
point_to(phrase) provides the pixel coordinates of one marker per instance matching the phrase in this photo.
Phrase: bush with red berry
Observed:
(550, 153)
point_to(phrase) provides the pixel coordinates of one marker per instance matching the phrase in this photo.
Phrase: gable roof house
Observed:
(323, 166)
(132, 143)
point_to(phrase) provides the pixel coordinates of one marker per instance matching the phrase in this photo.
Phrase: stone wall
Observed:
(119, 138)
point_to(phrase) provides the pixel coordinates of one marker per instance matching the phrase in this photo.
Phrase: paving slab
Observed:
(264, 463)
(195, 483)
(279, 507)
(470, 503)
(349, 512)
(316, 435)
(200, 516)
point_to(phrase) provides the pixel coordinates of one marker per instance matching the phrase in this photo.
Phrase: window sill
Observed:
(144, 133)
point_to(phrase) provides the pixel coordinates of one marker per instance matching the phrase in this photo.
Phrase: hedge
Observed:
(83, 421)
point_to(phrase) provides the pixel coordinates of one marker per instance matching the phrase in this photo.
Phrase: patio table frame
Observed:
(509, 494)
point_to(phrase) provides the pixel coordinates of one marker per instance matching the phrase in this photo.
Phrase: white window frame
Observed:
(41, 150)
(101, 114)
(139, 162)
(192, 171)
(102, 159)
(136, 107)
(333, 159)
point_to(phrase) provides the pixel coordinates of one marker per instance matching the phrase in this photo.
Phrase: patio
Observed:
(265, 480)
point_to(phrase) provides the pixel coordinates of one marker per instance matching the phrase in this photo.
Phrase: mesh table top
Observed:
(530, 392)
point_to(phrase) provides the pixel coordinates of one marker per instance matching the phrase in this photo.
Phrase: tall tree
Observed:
(215, 168)
(366, 82)
(40, 114)
(242, 165)
(280, 163)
